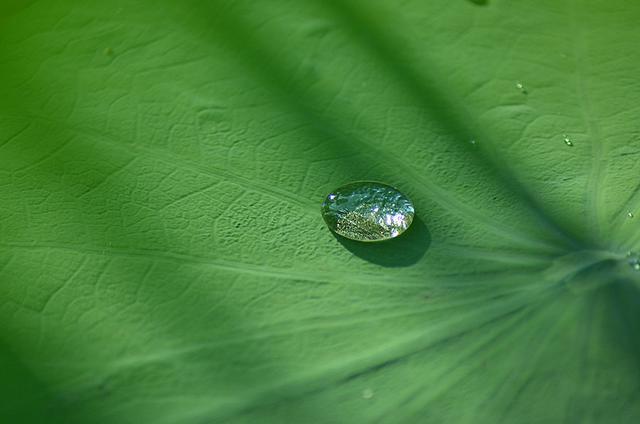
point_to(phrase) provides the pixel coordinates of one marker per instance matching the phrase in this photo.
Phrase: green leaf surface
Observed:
(162, 254)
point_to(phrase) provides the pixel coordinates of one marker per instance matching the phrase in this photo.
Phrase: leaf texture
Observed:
(163, 258)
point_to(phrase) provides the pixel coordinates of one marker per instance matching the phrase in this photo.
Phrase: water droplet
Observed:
(630, 214)
(367, 211)
(367, 394)
(567, 140)
(520, 87)
(633, 260)
(108, 51)
(473, 142)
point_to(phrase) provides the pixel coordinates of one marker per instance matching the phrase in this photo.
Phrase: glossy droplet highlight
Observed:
(520, 87)
(367, 211)
(630, 214)
(633, 260)
(567, 140)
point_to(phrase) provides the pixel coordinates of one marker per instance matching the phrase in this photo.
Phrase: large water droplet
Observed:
(367, 211)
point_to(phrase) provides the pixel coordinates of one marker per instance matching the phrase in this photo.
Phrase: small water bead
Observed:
(633, 260)
(630, 214)
(567, 140)
(367, 211)
(520, 87)
(367, 394)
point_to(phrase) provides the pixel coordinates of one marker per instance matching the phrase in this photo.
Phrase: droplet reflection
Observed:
(367, 211)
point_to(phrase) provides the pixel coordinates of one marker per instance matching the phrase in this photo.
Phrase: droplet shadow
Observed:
(479, 2)
(405, 250)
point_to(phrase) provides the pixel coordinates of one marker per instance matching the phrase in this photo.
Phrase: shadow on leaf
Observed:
(403, 251)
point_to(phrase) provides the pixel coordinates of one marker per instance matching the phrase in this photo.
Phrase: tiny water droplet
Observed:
(367, 394)
(567, 140)
(633, 261)
(520, 87)
(473, 142)
(630, 214)
(367, 211)
(108, 51)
